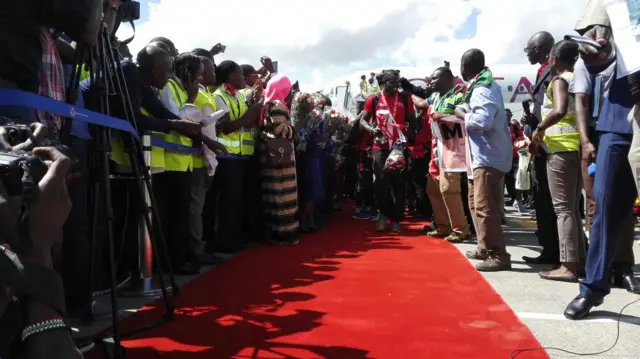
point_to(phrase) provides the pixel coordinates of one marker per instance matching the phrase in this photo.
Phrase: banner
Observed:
(625, 23)
(453, 147)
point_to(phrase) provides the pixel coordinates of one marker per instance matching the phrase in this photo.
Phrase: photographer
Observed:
(29, 276)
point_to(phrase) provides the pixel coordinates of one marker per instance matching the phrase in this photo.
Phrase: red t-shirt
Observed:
(423, 138)
(395, 106)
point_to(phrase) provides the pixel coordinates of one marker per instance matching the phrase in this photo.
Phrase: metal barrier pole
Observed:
(145, 284)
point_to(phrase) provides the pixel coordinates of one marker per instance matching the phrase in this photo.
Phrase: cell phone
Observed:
(583, 40)
(223, 48)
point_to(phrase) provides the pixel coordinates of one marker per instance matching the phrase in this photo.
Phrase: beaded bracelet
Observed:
(43, 326)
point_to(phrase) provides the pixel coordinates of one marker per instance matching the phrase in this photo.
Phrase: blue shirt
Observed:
(488, 130)
(616, 103)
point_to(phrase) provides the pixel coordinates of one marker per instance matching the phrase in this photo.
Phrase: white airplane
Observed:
(517, 82)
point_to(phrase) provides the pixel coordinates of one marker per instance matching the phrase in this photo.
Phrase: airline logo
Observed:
(523, 88)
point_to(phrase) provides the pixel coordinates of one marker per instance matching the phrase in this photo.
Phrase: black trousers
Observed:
(351, 171)
(364, 190)
(546, 219)
(510, 180)
(76, 252)
(172, 193)
(390, 188)
(238, 204)
(417, 182)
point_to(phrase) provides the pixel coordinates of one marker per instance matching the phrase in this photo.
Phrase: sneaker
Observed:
(477, 255)
(439, 234)
(84, 345)
(381, 223)
(519, 206)
(428, 228)
(456, 237)
(493, 264)
(395, 227)
(362, 215)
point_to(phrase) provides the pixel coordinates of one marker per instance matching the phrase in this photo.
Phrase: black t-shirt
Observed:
(20, 46)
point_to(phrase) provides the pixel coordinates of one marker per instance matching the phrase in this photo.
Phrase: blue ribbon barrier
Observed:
(17, 98)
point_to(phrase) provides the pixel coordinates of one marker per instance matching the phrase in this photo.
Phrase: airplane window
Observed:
(510, 88)
(532, 87)
(522, 88)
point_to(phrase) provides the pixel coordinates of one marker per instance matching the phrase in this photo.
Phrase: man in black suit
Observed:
(537, 50)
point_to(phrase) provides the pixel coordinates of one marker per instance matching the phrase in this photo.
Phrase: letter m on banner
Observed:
(451, 130)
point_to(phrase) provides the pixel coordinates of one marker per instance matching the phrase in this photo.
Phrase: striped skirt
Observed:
(279, 198)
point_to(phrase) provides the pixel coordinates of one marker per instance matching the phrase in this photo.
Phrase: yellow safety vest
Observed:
(240, 142)
(84, 73)
(365, 90)
(203, 98)
(176, 161)
(118, 155)
(245, 92)
(562, 136)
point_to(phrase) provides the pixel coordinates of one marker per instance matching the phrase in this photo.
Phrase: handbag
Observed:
(279, 151)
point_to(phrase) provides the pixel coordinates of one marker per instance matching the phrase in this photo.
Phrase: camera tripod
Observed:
(106, 73)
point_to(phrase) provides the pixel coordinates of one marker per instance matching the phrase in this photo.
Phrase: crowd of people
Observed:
(255, 159)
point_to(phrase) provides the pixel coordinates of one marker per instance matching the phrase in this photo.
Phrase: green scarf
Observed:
(484, 79)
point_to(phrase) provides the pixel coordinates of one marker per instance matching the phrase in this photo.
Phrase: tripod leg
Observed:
(118, 353)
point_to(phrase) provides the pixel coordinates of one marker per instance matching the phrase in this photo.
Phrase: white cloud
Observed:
(319, 41)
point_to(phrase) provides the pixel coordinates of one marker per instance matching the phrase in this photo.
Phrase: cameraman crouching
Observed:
(31, 293)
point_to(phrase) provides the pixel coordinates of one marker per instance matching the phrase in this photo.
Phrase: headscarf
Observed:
(278, 89)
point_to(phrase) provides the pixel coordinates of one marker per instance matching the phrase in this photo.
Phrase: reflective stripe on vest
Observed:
(203, 98)
(84, 73)
(240, 142)
(174, 161)
(562, 136)
(118, 154)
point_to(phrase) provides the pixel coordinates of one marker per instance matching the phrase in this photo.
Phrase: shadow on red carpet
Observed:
(344, 293)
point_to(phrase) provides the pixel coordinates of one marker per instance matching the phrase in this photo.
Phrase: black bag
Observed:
(78, 19)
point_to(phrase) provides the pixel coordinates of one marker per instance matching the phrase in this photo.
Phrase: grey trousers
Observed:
(196, 206)
(564, 171)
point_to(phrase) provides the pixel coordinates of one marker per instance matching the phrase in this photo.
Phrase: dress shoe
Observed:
(580, 307)
(560, 277)
(542, 259)
(628, 282)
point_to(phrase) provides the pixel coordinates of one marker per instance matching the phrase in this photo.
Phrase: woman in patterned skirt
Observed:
(278, 174)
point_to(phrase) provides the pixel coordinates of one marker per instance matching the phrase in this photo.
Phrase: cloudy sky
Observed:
(317, 41)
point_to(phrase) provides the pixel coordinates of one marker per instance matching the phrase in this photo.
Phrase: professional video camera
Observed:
(129, 10)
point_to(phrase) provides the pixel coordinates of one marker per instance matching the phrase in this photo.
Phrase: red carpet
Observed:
(345, 293)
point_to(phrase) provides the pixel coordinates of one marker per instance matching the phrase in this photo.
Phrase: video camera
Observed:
(128, 10)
